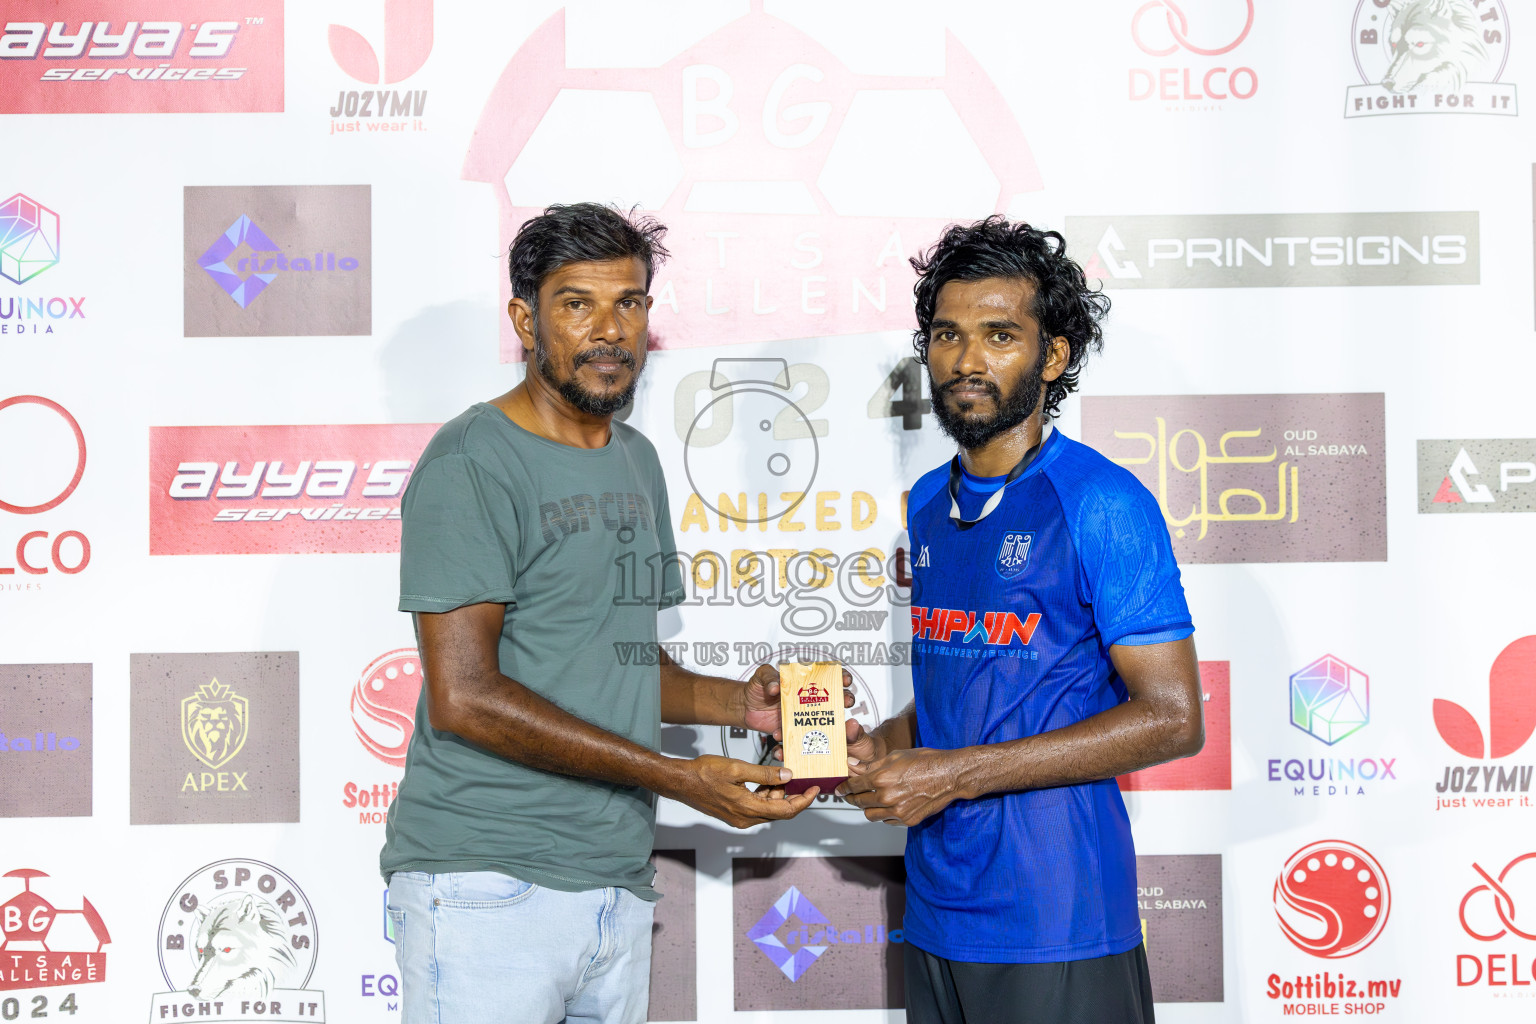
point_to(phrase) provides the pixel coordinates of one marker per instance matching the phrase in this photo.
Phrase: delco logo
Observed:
(993, 629)
(44, 464)
(279, 490)
(171, 57)
(793, 204)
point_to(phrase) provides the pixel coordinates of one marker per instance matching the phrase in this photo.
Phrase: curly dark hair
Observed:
(1064, 305)
(581, 233)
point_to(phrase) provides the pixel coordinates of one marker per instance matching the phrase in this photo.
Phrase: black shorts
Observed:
(1105, 990)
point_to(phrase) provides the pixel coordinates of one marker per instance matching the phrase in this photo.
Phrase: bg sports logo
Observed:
(1430, 57)
(146, 56)
(279, 490)
(793, 205)
(240, 938)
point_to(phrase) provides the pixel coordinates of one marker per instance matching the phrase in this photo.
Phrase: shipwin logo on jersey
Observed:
(1255, 478)
(1277, 250)
(1451, 480)
(29, 245)
(280, 490)
(967, 632)
(922, 558)
(317, 280)
(45, 946)
(146, 56)
(1194, 80)
(1013, 553)
(238, 942)
(1430, 57)
(407, 42)
(792, 201)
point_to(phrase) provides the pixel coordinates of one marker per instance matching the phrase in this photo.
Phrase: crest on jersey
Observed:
(1013, 555)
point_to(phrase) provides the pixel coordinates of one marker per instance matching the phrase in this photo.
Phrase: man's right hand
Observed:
(864, 746)
(717, 786)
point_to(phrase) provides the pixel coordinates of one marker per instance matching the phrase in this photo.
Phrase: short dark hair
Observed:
(581, 233)
(1064, 305)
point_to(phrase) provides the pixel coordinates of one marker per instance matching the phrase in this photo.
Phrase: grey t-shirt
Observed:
(577, 544)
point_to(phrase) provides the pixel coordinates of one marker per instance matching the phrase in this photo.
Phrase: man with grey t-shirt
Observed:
(517, 850)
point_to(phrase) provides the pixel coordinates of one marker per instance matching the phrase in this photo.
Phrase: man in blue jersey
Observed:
(1051, 652)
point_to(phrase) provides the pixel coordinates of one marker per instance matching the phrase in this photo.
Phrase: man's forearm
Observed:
(688, 698)
(899, 732)
(506, 718)
(1125, 738)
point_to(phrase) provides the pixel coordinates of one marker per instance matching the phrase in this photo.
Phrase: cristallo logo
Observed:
(214, 723)
(1332, 899)
(1511, 707)
(792, 201)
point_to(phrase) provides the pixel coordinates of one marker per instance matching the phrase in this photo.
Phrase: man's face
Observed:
(588, 339)
(986, 366)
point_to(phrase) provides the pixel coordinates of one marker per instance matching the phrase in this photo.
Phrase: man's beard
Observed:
(971, 432)
(573, 391)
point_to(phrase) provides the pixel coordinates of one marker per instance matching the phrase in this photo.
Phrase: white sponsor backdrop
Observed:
(1453, 360)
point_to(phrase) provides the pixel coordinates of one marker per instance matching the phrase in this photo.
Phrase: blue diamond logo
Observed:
(792, 904)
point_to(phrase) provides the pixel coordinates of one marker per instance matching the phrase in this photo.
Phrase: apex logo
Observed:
(1511, 707)
(407, 42)
(214, 723)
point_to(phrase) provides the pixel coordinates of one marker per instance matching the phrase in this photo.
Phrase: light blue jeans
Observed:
(480, 947)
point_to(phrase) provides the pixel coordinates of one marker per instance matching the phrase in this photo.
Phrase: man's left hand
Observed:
(761, 699)
(904, 787)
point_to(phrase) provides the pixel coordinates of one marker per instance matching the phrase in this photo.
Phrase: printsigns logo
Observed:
(407, 42)
(279, 489)
(239, 937)
(316, 281)
(1179, 898)
(1255, 478)
(1277, 250)
(792, 203)
(214, 723)
(384, 704)
(1332, 899)
(29, 238)
(1511, 707)
(228, 57)
(1330, 699)
(1451, 477)
(1013, 553)
(1430, 57)
(1162, 29)
(844, 910)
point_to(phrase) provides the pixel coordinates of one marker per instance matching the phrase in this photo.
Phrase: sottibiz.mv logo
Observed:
(43, 946)
(238, 942)
(384, 717)
(785, 177)
(280, 490)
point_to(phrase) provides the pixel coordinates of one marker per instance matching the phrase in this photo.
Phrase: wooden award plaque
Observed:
(815, 738)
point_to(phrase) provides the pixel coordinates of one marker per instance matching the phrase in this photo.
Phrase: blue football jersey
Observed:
(1012, 621)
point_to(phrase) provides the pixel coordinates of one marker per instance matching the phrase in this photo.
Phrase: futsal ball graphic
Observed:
(1332, 899)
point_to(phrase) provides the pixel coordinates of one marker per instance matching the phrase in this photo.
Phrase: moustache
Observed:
(986, 385)
(605, 353)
